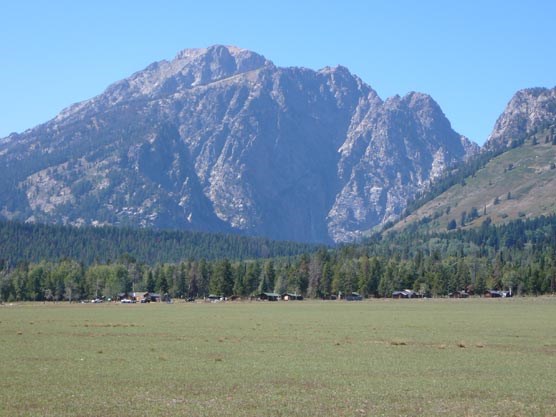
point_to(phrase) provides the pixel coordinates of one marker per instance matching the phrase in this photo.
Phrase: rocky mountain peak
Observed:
(189, 69)
(528, 110)
(220, 139)
(421, 101)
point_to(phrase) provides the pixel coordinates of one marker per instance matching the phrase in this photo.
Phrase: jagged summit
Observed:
(194, 67)
(217, 52)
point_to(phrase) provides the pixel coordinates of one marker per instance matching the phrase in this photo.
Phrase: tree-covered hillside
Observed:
(37, 242)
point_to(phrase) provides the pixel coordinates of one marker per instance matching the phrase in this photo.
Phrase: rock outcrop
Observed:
(527, 111)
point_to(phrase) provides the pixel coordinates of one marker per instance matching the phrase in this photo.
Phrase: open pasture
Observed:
(470, 357)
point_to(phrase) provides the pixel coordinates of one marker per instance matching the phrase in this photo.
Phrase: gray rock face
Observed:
(527, 110)
(220, 139)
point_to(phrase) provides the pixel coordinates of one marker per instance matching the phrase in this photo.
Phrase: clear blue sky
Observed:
(471, 56)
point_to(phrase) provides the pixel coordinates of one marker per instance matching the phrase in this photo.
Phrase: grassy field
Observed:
(377, 358)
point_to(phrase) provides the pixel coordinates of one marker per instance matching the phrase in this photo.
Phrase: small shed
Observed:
(139, 296)
(288, 296)
(269, 296)
(404, 294)
(122, 296)
(152, 297)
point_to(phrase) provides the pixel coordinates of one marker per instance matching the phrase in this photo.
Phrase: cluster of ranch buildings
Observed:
(148, 297)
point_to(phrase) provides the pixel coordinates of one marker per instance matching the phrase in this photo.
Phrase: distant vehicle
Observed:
(97, 300)
(127, 301)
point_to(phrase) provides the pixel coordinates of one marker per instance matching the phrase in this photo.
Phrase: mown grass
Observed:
(376, 358)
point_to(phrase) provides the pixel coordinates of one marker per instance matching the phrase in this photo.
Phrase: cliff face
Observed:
(220, 139)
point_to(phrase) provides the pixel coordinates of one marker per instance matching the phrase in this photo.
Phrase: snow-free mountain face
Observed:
(527, 111)
(220, 139)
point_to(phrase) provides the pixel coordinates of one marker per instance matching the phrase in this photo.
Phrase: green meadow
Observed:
(473, 357)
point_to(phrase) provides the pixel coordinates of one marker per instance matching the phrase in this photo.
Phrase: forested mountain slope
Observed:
(518, 183)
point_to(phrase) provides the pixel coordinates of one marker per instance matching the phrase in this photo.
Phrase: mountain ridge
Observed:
(220, 139)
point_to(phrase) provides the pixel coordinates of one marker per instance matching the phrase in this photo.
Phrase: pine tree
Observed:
(268, 277)
(161, 281)
(181, 287)
(252, 277)
(325, 287)
(463, 218)
(315, 276)
(203, 277)
(480, 285)
(149, 281)
(387, 284)
(222, 279)
(240, 273)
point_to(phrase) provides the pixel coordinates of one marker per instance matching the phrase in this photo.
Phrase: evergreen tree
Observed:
(303, 274)
(315, 276)
(252, 278)
(338, 281)
(150, 283)
(463, 276)
(193, 284)
(240, 273)
(388, 284)
(480, 285)
(463, 218)
(364, 276)
(325, 287)
(182, 283)
(204, 277)
(268, 277)
(222, 280)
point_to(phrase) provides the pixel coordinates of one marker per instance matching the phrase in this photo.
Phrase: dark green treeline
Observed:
(89, 245)
(520, 255)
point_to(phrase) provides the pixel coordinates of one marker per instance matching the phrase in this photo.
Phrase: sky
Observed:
(470, 56)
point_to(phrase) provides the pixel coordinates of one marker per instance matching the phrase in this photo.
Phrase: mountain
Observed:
(518, 183)
(221, 139)
(528, 111)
